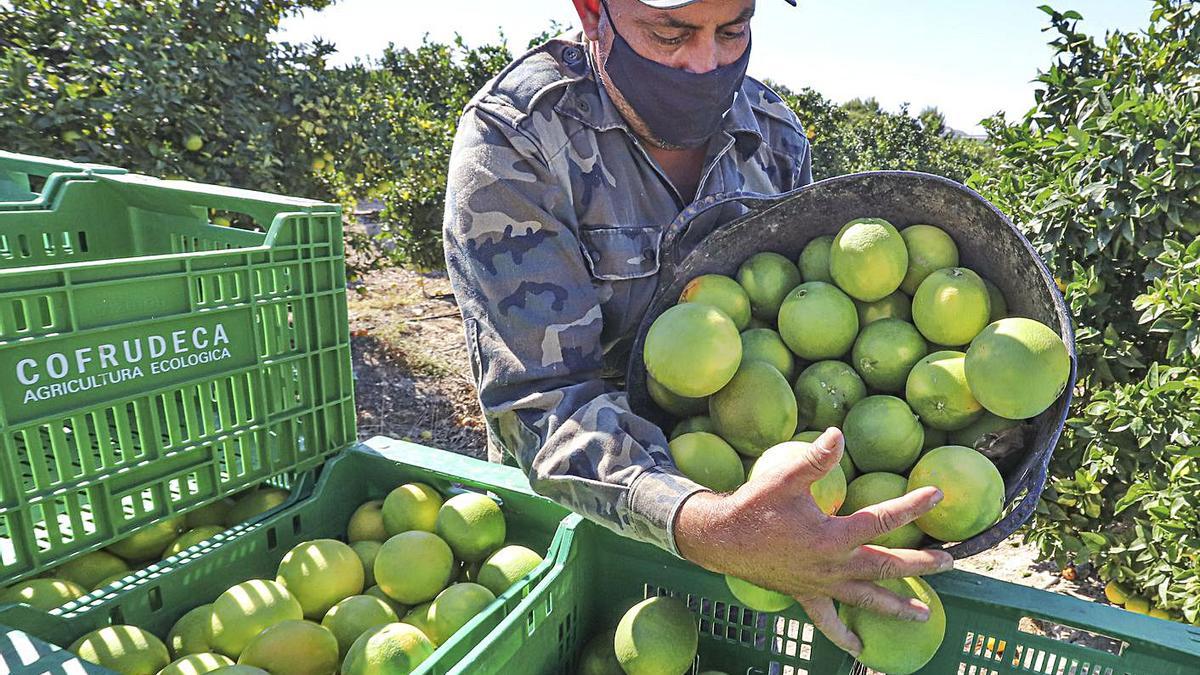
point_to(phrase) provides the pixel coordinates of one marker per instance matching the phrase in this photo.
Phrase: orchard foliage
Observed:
(1102, 176)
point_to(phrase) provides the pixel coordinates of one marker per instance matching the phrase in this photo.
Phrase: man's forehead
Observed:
(687, 13)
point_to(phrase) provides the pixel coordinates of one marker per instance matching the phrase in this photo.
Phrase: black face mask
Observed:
(681, 108)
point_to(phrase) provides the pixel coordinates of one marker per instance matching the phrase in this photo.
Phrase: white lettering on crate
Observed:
(127, 360)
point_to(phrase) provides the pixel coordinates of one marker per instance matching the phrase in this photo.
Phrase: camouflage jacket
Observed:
(554, 225)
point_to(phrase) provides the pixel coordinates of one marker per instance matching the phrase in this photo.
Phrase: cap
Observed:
(674, 4)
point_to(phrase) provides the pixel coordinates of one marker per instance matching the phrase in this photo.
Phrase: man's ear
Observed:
(589, 17)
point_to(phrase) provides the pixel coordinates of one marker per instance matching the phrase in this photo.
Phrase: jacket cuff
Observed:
(655, 498)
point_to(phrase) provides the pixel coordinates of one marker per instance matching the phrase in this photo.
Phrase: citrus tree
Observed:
(1101, 174)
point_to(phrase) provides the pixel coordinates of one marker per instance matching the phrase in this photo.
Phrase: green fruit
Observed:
(818, 322)
(828, 492)
(247, 609)
(759, 323)
(190, 634)
(506, 567)
(951, 306)
(366, 552)
(708, 460)
(972, 487)
(895, 306)
(236, 669)
(767, 279)
(196, 664)
(44, 593)
(934, 438)
(419, 617)
(90, 569)
(456, 606)
(980, 430)
(128, 650)
(883, 434)
(413, 566)
(868, 259)
(320, 574)
(149, 542)
(937, 391)
(669, 401)
(825, 392)
(394, 649)
(657, 636)
(251, 504)
(929, 249)
(721, 292)
(1017, 368)
(398, 607)
(875, 488)
(693, 424)
(896, 646)
(755, 410)
(764, 344)
(214, 513)
(996, 302)
(814, 259)
(886, 351)
(598, 656)
(293, 647)
(413, 506)
(193, 143)
(191, 538)
(757, 598)
(354, 616)
(366, 523)
(472, 524)
(692, 349)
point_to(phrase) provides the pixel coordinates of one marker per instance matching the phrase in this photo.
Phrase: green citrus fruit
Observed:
(868, 259)
(354, 616)
(984, 427)
(895, 306)
(191, 538)
(398, 607)
(128, 650)
(91, 568)
(767, 279)
(885, 352)
(692, 424)
(193, 142)
(934, 438)
(366, 523)
(937, 391)
(817, 321)
(413, 506)
(394, 649)
(473, 525)
(972, 487)
(875, 488)
(190, 634)
(1017, 368)
(825, 392)
(419, 617)
(756, 597)
(367, 552)
(721, 292)
(764, 344)
(814, 259)
(254, 503)
(896, 646)
(598, 656)
(214, 513)
(883, 434)
(708, 460)
(998, 304)
(44, 593)
(196, 664)
(692, 349)
(929, 249)
(669, 401)
(657, 636)
(413, 566)
(456, 606)
(245, 610)
(506, 567)
(293, 647)
(951, 306)
(320, 574)
(150, 541)
(755, 410)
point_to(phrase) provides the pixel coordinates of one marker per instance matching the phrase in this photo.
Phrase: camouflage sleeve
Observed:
(533, 328)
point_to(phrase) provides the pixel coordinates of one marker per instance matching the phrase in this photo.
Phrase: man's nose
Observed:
(701, 58)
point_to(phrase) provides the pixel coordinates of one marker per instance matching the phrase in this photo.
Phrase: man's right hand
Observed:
(771, 533)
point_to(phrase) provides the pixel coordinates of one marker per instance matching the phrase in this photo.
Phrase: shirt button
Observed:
(572, 55)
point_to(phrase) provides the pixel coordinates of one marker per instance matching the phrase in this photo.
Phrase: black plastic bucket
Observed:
(987, 242)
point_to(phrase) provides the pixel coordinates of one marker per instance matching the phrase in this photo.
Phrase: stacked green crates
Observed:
(155, 598)
(151, 362)
(25, 179)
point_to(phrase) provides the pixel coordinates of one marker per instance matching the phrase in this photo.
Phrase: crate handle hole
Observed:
(272, 539)
(156, 601)
(1071, 635)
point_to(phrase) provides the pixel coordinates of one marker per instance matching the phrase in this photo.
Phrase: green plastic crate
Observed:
(27, 181)
(600, 574)
(156, 597)
(151, 362)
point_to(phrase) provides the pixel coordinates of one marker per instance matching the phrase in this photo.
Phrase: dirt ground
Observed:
(413, 382)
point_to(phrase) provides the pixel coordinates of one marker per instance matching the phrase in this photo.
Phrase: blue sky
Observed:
(970, 58)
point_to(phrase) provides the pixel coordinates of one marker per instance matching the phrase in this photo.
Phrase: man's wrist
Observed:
(695, 524)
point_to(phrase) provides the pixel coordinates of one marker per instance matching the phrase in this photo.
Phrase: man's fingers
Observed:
(824, 617)
(798, 471)
(880, 600)
(872, 521)
(876, 562)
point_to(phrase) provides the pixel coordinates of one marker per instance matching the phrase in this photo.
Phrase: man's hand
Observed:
(771, 533)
